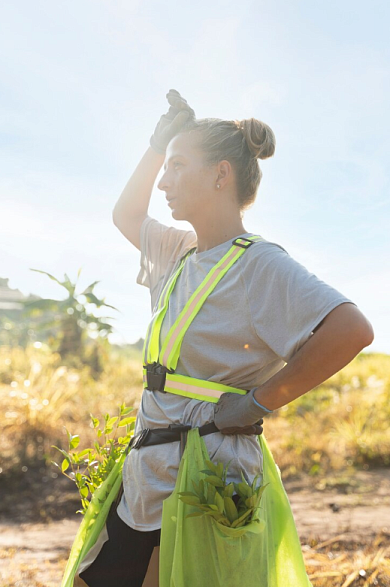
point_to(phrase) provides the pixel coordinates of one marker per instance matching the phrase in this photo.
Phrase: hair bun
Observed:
(259, 137)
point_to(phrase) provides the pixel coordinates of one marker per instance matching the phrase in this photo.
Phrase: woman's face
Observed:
(189, 184)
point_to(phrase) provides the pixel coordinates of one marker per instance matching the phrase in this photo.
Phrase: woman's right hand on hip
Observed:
(172, 122)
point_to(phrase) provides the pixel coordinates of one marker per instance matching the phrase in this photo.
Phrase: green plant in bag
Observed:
(214, 497)
(91, 466)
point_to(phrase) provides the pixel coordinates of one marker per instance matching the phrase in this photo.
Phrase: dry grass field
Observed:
(332, 445)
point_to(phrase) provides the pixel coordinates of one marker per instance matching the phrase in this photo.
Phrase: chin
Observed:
(177, 216)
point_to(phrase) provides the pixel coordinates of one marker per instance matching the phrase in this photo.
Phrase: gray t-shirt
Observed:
(259, 315)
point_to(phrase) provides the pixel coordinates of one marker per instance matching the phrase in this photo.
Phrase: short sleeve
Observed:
(161, 247)
(286, 301)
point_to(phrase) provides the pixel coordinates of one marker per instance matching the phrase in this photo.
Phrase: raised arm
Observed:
(132, 207)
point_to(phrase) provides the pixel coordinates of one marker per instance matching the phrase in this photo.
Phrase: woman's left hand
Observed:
(234, 413)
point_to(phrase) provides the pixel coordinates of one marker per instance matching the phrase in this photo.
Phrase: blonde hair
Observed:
(239, 142)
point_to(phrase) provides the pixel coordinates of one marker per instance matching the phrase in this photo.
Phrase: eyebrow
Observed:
(173, 157)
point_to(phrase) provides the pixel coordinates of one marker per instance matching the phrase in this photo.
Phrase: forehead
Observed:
(184, 145)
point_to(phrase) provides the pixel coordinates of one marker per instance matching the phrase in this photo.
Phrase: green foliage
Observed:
(73, 319)
(91, 466)
(338, 426)
(213, 497)
(332, 430)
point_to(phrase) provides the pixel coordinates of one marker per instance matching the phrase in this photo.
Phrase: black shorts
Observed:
(124, 558)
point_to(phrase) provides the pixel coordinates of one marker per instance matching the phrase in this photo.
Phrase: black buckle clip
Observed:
(138, 441)
(155, 376)
(242, 245)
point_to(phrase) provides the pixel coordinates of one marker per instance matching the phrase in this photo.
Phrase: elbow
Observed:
(352, 325)
(364, 333)
(115, 216)
(367, 335)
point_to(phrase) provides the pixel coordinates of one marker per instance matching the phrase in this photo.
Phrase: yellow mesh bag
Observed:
(200, 552)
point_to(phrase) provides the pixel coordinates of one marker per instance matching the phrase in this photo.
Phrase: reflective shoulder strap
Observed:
(170, 351)
(151, 344)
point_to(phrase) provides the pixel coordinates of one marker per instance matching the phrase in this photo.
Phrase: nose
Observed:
(163, 184)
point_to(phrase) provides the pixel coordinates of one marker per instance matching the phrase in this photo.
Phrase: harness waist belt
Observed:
(152, 436)
(157, 377)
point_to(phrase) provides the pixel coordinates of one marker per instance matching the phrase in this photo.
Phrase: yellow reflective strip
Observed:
(202, 383)
(151, 351)
(190, 395)
(194, 389)
(170, 358)
(193, 306)
(153, 347)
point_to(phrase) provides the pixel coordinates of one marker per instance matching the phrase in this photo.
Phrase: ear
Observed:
(224, 173)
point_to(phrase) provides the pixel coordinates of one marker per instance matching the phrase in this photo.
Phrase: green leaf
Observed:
(207, 472)
(49, 275)
(214, 480)
(89, 288)
(221, 519)
(190, 500)
(251, 502)
(242, 518)
(195, 515)
(244, 490)
(230, 509)
(259, 493)
(229, 489)
(254, 482)
(84, 452)
(211, 466)
(126, 410)
(219, 502)
(112, 421)
(75, 441)
(219, 471)
(84, 491)
(211, 491)
(127, 421)
(95, 421)
(65, 465)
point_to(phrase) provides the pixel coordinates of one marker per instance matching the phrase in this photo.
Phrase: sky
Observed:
(83, 85)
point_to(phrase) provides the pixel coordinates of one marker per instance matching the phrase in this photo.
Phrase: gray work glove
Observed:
(171, 122)
(235, 413)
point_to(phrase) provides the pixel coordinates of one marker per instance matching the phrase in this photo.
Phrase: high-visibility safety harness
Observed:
(160, 365)
(272, 559)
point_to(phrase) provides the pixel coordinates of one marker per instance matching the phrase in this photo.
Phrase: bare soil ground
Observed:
(37, 530)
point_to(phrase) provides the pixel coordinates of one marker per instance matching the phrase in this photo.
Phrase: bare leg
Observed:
(151, 577)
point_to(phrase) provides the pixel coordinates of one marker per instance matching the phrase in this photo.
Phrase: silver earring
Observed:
(218, 186)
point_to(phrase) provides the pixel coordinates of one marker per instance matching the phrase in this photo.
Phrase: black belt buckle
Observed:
(140, 439)
(156, 375)
(243, 246)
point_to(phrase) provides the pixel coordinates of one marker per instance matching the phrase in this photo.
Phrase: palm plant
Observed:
(72, 319)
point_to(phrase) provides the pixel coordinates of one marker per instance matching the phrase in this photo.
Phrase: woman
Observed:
(268, 312)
